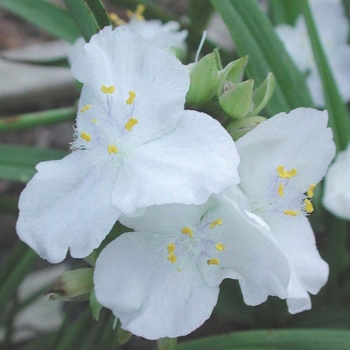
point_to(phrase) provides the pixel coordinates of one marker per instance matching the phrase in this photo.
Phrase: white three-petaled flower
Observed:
(282, 161)
(333, 27)
(336, 197)
(135, 147)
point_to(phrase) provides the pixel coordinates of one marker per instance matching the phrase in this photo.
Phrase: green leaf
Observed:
(339, 118)
(296, 339)
(254, 35)
(30, 120)
(282, 11)
(45, 15)
(17, 163)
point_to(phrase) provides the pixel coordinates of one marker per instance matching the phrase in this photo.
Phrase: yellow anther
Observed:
(284, 174)
(220, 247)
(214, 261)
(310, 191)
(85, 136)
(94, 120)
(130, 123)
(281, 190)
(172, 258)
(187, 231)
(115, 19)
(112, 149)
(108, 89)
(85, 108)
(130, 99)
(308, 206)
(171, 248)
(138, 14)
(290, 212)
(216, 222)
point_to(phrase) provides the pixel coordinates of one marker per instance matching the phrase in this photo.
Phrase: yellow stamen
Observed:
(187, 231)
(108, 89)
(290, 212)
(216, 222)
(130, 123)
(214, 261)
(94, 120)
(138, 14)
(308, 206)
(115, 19)
(172, 258)
(112, 149)
(281, 190)
(220, 247)
(85, 108)
(310, 191)
(85, 136)
(171, 248)
(130, 99)
(284, 174)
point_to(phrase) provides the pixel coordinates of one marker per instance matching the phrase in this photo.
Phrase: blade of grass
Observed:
(339, 118)
(30, 120)
(282, 11)
(45, 15)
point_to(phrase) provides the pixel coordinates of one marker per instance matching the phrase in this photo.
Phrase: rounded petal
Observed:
(152, 299)
(299, 140)
(185, 166)
(337, 186)
(66, 205)
(309, 273)
(124, 59)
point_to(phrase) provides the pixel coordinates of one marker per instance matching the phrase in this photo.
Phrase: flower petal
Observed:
(125, 60)
(185, 166)
(152, 299)
(299, 140)
(66, 205)
(309, 273)
(337, 186)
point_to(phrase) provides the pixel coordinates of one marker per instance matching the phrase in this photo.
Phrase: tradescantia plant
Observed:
(167, 207)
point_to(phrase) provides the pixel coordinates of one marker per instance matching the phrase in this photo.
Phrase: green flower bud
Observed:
(232, 74)
(204, 77)
(73, 285)
(262, 94)
(239, 128)
(236, 99)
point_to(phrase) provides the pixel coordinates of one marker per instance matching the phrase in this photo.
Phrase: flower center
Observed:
(194, 243)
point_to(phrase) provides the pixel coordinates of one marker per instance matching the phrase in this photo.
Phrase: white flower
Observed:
(163, 280)
(135, 147)
(282, 160)
(333, 28)
(337, 186)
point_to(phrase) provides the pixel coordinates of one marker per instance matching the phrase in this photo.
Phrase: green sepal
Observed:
(123, 335)
(233, 73)
(262, 94)
(167, 343)
(236, 99)
(73, 285)
(204, 78)
(239, 128)
(95, 306)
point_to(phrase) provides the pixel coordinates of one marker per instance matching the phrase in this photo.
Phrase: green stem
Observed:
(30, 120)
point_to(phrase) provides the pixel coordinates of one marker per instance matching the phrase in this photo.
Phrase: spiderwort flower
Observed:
(282, 160)
(336, 197)
(333, 28)
(163, 280)
(135, 146)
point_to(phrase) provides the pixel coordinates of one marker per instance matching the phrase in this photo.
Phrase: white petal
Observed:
(337, 186)
(298, 140)
(314, 84)
(124, 59)
(309, 273)
(185, 166)
(152, 299)
(65, 206)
